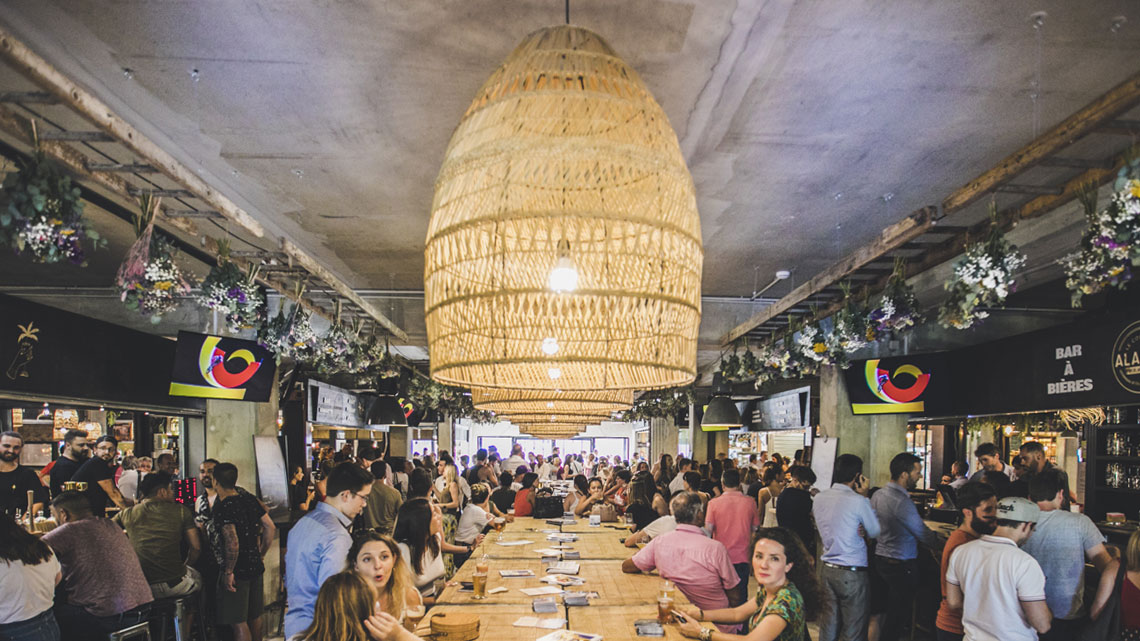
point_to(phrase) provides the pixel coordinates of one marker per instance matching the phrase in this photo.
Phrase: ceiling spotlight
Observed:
(783, 274)
(550, 346)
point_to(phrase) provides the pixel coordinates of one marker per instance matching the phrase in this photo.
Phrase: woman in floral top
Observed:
(789, 595)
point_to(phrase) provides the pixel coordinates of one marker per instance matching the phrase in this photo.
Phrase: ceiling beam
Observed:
(39, 71)
(1099, 112)
(890, 238)
(130, 168)
(70, 94)
(1006, 219)
(320, 271)
(74, 161)
(77, 136)
(28, 97)
(1094, 117)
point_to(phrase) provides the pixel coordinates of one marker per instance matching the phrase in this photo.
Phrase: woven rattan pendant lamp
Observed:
(552, 430)
(579, 419)
(564, 161)
(508, 401)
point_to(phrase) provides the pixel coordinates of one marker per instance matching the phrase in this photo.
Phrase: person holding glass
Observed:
(789, 594)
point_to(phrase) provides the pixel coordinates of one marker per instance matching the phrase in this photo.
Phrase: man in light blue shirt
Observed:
(318, 544)
(843, 515)
(896, 555)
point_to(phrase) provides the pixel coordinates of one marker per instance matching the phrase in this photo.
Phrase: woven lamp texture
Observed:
(552, 431)
(563, 142)
(519, 418)
(507, 401)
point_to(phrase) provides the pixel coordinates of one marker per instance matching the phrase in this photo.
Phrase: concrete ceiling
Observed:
(328, 120)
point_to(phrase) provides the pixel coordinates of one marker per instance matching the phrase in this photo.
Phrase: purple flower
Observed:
(236, 292)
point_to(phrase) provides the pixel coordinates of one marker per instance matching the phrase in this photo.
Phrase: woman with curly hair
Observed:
(377, 559)
(789, 595)
(344, 612)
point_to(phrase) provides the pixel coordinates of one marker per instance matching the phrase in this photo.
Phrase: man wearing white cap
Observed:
(1000, 588)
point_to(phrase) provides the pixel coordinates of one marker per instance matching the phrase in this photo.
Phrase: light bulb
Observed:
(550, 346)
(564, 276)
(554, 372)
(549, 404)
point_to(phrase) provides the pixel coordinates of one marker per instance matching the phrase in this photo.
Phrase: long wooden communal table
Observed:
(495, 622)
(589, 546)
(613, 586)
(622, 598)
(615, 622)
(581, 526)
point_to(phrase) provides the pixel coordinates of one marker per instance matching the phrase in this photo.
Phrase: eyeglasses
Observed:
(362, 497)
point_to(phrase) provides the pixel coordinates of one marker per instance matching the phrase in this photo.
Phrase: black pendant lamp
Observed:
(386, 408)
(721, 413)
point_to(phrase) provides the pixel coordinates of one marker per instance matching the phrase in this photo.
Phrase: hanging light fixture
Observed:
(385, 408)
(563, 210)
(512, 401)
(721, 413)
(550, 417)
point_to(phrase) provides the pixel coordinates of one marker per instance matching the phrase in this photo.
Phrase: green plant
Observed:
(43, 216)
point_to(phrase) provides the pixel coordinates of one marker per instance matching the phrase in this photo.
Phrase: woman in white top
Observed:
(378, 559)
(475, 518)
(29, 572)
(773, 480)
(419, 532)
(129, 480)
(579, 493)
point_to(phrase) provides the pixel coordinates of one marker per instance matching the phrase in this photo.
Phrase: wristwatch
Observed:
(706, 634)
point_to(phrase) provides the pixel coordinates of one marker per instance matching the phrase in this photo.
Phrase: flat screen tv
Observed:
(207, 366)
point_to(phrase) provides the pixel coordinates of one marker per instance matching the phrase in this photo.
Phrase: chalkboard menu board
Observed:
(784, 411)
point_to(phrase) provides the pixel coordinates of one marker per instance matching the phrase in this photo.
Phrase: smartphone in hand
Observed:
(681, 618)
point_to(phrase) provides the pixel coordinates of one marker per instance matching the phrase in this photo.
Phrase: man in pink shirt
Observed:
(731, 519)
(698, 565)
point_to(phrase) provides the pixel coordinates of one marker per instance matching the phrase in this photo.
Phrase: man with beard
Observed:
(75, 452)
(896, 555)
(16, 480)
(99, 474)
(207, 564)
(978, 504)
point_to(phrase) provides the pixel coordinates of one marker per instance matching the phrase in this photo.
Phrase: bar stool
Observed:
(176, 610)
(136, 631)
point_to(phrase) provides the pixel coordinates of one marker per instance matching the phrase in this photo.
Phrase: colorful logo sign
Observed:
(1126, 358)
(886, 386)
(217, 367)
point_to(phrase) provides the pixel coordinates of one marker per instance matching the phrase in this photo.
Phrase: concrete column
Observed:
(445, 435)
(230, 428)
(719, 443)
(401, 442)
(874, 438)
(662, 438)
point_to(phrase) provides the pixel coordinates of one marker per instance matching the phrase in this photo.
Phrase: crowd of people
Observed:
(373, 541)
